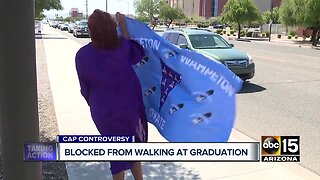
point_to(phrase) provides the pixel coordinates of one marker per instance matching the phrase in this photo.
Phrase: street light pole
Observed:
(18, 89)
(106, 5)
(128, 8)
(271, 18)
(205, 1)
(87, 9)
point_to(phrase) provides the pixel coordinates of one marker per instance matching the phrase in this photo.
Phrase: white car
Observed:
(38, 27)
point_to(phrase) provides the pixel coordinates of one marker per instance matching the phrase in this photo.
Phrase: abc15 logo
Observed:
(280, 145)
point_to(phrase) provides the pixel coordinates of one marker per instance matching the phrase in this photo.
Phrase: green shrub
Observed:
(279, 36)
(292, 33)
(263, 34)
(267, 34)
(203, 25)
(232, 31)
(289, 36)
(296, 36)
(224, 32)
(219, 31)
(242, 33)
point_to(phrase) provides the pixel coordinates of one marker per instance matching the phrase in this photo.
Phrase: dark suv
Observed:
(213, 45)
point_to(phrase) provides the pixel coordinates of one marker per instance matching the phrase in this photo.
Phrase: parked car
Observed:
(218, 26)
(213, 45)
(81, 29)
(55, 24)
(38, 27)
(60, 24)
(64, 27)
(71, 27)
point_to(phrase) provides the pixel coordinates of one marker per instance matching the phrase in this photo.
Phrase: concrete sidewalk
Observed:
(74, 118)
(274, 40)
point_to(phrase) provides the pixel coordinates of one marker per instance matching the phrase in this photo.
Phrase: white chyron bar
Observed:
(159, 152)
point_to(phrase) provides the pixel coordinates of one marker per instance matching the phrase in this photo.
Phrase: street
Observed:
(282, 98)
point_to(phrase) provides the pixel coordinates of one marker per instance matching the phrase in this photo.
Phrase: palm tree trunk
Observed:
(314, 33)
(317, 37)
(239, 30)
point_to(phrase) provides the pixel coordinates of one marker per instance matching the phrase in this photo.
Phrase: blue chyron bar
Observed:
(94, 138)
(40, 152)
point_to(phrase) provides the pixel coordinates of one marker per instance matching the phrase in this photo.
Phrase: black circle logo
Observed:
(271, 145)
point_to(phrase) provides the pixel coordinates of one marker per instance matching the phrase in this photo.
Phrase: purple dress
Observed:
(113, 92)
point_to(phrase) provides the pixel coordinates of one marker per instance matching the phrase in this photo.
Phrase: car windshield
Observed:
(208, 41)
(83, 24)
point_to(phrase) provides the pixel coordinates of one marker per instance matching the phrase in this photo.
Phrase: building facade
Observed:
(74, 13)
(190, 8)
(210, 8)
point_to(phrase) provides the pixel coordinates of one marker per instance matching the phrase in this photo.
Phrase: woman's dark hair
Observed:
(103, 30)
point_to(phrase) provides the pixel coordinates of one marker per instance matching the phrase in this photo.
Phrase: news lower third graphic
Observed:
(40, 152)
(122, 148)
(280, 148)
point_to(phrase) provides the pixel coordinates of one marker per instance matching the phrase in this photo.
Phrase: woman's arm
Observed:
(121, 19)
(84, 88)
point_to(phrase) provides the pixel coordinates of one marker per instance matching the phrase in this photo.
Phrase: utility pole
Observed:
(271, 18)
(205, 1)
(106, 5)
(18, 89)
(87, 15)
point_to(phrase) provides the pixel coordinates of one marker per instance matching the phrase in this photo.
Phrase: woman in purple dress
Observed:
(110, 85)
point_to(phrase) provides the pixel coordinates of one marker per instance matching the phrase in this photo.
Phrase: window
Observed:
(208, 41)
(165, 36)
(182, 40)
(173, 38)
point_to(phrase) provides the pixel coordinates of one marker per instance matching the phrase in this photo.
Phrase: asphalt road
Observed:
(282, 99)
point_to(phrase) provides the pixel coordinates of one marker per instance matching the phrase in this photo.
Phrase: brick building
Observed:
(74, 13)
(210, 8)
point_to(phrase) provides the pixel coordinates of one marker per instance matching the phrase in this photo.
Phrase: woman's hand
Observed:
(121, 20)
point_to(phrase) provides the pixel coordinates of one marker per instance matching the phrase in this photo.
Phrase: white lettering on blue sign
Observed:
(157, 118)
(220, 80)
(149, 43)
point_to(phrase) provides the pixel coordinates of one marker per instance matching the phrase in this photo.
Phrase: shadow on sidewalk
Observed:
(251, 88)
(151, 170)
(42, 36)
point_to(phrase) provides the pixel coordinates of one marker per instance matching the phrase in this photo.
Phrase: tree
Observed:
(302, 13)
(186, 20)
(169, 14)
(292, 12)
(141, 18)
(147, 9)
(198, 19)
(41, 5)
(240, 12)
(274, 16)
(215, 20)
(312, 19)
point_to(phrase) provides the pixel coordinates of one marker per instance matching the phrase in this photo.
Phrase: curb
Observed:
(287, 43)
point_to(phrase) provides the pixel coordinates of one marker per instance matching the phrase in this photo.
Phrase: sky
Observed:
(123, 6)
